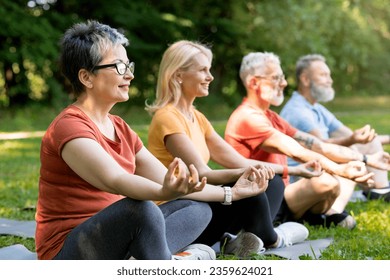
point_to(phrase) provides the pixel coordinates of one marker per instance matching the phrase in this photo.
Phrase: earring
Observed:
(180, 82)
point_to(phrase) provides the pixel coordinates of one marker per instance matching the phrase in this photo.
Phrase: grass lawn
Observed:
(19, 173)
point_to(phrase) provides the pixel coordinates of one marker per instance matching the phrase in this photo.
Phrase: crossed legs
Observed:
(316, 195)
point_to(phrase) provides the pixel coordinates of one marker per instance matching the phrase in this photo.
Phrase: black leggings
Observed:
(255, 214)
(137, 228)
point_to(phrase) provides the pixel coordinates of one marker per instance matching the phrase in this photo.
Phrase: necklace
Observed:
(188, 115)
(187, 112)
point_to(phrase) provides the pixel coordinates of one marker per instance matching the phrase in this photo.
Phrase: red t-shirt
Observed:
(249, 126)
(65, 200)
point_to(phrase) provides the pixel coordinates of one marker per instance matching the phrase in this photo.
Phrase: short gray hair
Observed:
(83, 46)
(304, 63)
(256, 61)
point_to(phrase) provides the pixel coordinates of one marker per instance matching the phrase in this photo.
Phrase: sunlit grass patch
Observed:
(19, 175)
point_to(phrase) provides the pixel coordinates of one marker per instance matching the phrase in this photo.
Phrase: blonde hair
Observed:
(177, 57)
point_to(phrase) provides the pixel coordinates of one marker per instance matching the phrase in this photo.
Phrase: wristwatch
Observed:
(364, 159)
(228, 196)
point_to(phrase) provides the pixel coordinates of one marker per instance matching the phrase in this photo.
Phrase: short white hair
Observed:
(256, 62)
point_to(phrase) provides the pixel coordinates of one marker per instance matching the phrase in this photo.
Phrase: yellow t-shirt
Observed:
(169, 120)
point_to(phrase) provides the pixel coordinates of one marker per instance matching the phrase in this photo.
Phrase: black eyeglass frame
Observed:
(130, 66)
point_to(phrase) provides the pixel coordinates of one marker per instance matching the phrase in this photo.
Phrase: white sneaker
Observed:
(195, 252)
(290, 233)
(243, 245)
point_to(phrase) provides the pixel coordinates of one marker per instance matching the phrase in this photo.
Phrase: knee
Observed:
(146, 211)
(328, 186)
(376, 145)
(206, 210)
(151, 211)
(196, 211)
(369, 148)
(253, 202)
(201, 210)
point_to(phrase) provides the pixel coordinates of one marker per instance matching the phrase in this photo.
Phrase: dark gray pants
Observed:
(137, 228)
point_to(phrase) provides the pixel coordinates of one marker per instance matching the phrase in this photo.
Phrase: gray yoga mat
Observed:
(311, 248)
(17, 252)
(357, 196)
(17, 228)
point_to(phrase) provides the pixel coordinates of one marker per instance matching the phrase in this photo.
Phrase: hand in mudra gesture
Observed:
(379, 160)
(357, 171)
(252, 182)
(309, 169)
(364, 134)
(180, 181)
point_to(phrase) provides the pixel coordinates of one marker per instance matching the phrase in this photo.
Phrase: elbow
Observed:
(113, 185)
(203, 170)
(204, 173)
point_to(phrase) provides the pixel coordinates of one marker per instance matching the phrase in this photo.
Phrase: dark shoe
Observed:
(342, 220)
(373, 195)
(313, 219)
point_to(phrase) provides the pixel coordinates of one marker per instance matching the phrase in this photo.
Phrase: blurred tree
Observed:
(353, 35)
(26, 53)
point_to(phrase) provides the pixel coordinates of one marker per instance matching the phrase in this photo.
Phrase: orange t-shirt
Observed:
(65, 200)
(169, 120)
(249, 126)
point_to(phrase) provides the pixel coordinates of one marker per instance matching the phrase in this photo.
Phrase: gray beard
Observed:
(321, 94)
(277, 101)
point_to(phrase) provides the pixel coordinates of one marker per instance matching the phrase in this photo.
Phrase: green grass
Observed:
(19, 173)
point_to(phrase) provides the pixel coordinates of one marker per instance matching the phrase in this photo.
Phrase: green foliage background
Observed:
(352, 34)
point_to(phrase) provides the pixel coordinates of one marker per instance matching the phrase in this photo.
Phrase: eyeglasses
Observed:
(274, 78)
(121, 67)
